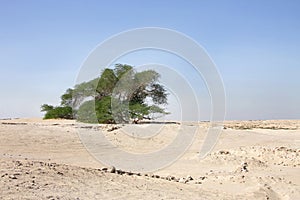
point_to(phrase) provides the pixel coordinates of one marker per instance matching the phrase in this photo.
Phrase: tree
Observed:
(59, 112)
(119, 95)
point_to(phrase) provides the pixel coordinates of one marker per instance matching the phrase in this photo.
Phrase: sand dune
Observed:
(47, 160)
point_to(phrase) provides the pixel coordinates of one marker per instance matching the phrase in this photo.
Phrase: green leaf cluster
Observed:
(119, 95)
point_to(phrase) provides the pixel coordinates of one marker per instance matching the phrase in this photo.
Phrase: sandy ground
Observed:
(45, 159)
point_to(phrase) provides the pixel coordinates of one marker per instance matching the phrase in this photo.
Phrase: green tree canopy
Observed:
(118, 95)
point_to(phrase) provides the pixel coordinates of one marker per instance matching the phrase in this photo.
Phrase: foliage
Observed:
(119, 95)
(98, 111)
(62, 112)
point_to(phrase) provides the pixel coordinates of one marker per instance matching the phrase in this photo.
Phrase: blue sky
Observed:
(255, 45)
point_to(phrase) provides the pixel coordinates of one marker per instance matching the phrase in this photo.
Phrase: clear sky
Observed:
(255, 45)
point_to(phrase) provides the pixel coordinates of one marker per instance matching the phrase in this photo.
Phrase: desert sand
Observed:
(45, 159)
